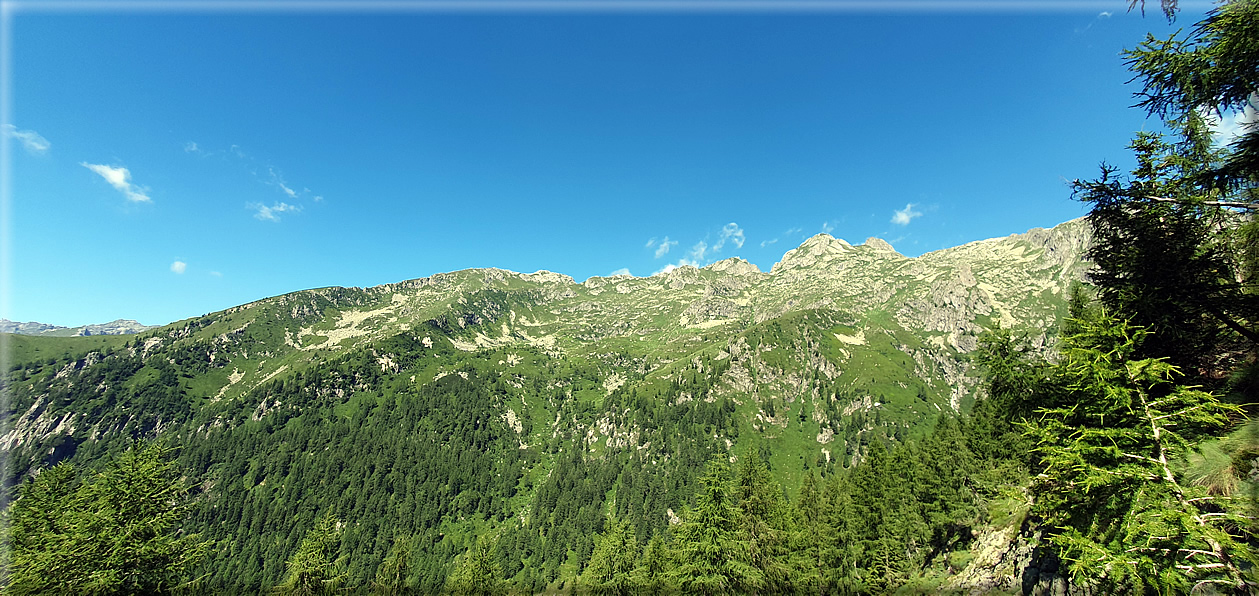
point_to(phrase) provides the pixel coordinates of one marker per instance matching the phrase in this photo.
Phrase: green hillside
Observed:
(528, 406)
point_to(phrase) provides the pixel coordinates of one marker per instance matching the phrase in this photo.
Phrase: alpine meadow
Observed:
(1060, 411)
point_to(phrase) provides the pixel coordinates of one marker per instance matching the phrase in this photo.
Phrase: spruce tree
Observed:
(651, 575)
(116, 532)
(764, 523)
(813, 546)
(391, 576)
(316, 568)
(1121, 516)
(710, 558)
(611, 566)
(478, 573)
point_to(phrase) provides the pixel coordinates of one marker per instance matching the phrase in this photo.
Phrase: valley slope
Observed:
(529, 404)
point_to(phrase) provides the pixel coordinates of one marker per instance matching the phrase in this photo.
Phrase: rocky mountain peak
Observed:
(879, 244)
(735, 266)
(818, 249)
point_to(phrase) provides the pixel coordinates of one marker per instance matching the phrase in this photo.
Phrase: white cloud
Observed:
(33, 142)
(731, 232)
(216, 274)
(191, 147)
(765, 243)
(902, 217)
(1226, 130)
(120, 179)
(791, 231)
(266, 213)
(827, 227)
(664, 247)
(179, 267)
(1105, 14)
(650, 243)
(698, 251)
(621, 271)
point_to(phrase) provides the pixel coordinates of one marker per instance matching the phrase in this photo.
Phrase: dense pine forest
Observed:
(1117, 453)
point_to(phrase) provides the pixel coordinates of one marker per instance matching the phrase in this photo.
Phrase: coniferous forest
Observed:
(1119, 455)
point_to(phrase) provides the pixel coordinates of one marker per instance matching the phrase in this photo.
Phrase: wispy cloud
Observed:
(902, 217)
(765, 243)
(827, 228)
(278, 181)
(698, 251)
(650, 243)
(271, 177)
(216, 274)
(179, 267)
(120, 179)
(271, 213)
(621, 271)
(665, 246)
(731, 232)
(33, 142)
(1101, 16)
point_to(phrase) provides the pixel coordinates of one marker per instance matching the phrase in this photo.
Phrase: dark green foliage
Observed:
(114, 532)
(814, 548)
(1175, 241)
(765, 522)
(1168, 266)
(1214, 67)
(709, 556)
(400, 465)
(651, 575)
(1013, 382)
(391, 577)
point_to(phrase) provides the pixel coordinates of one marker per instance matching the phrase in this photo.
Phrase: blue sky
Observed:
(164, 165)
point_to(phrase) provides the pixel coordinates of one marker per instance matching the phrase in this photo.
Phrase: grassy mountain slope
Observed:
(529, 404)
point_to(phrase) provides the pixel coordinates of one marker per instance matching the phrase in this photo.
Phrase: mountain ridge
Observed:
(837, 350)
(114, 327)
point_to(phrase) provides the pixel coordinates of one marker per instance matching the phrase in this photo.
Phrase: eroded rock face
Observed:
(1013, 560)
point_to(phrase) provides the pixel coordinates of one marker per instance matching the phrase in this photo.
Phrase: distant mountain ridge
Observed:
(115, 327)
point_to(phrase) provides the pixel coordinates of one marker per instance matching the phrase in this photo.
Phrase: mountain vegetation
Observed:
(975, 420)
